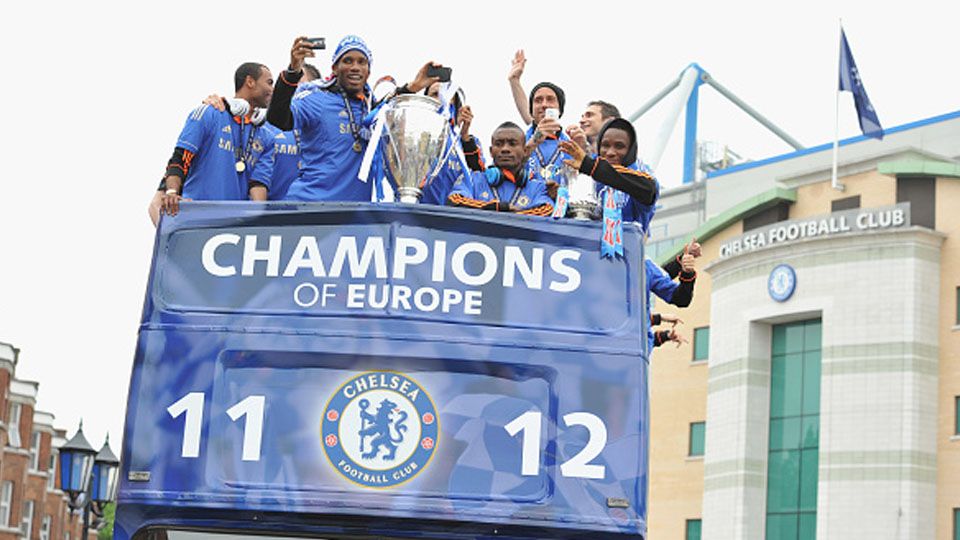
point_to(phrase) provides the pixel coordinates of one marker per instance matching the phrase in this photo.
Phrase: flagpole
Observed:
(834, 181)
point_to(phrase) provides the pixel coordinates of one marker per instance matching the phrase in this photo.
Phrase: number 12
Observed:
(578, 466)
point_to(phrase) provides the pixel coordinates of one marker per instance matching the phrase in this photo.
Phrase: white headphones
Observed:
(241, 107)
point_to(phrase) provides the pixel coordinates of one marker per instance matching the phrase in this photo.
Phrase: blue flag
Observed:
(851, 82)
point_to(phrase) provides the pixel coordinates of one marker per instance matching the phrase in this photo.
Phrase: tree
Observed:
(106, 531)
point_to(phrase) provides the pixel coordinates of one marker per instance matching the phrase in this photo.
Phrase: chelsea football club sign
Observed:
(782, 282)
(380, 429)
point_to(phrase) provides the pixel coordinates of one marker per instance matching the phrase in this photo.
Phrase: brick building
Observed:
(31, 503)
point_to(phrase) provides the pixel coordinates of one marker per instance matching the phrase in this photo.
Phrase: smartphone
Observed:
(442, 72)
(552, 113)
(317, 43)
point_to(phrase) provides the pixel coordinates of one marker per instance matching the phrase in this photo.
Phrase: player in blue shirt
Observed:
(633, 184)
(328, 115)
(220, 155)
(508, 186)
(660, 283)
(286, 151)
(546, 133)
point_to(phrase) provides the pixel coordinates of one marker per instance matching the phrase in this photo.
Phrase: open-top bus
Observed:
(386, 371)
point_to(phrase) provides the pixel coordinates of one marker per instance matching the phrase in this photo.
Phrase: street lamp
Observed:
(88, 477)
(103, 487)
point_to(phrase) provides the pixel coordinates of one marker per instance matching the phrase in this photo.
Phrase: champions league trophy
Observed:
(417, 136)
(584, 203)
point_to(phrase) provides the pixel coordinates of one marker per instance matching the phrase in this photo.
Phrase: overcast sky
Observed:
(96, 94)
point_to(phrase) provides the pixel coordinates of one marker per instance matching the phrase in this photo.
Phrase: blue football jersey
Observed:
(453, 171)
(660, 284)
(212, 136)
(476, 186)
(330, 162)
(286, 164)
(547, 155)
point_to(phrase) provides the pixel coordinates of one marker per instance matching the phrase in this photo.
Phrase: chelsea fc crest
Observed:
(380, 429)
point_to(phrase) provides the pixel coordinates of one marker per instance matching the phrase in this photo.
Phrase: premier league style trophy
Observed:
(417, 143)
(584, 203)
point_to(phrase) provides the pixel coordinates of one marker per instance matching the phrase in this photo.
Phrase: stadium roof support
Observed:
(689, 82)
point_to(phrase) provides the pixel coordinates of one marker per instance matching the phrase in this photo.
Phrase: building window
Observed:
(45, 528)
(956, 524)
(35, 451)
(956, 415)
(13, 429)
(920, 192)
(697, 432)
(774, 214)
(846, 203)
(52, 471)
(693, 529)
(794, 448)
(701, 343)
(6, 495)
(26, 526)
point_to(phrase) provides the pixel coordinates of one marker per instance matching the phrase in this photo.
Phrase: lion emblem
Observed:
(384, 430)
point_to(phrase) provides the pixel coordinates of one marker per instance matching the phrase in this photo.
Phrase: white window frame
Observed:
(26, 523)
(13, 430)
(6, 497)
(45, 528)
(35, 441)
(52, 471)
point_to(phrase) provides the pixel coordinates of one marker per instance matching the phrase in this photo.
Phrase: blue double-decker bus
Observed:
(386, 371)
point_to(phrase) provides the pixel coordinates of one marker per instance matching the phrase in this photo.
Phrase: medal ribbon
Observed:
(549, 163)
(354, 126)
(241, 156)
(611, 243)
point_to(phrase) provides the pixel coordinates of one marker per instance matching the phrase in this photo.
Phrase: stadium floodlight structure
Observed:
(688, 96)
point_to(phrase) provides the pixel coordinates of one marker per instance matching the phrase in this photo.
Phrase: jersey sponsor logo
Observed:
(226, 129)
(380, 429)
(344, 114)
(285, 149)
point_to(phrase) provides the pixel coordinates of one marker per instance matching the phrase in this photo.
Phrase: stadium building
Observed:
(820, 394)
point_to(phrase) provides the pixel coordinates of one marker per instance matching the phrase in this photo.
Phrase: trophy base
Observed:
(584, 211)
(409, 195)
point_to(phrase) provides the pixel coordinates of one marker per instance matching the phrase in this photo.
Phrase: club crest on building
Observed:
(380, 429)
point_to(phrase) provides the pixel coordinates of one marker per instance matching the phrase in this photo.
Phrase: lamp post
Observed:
(88, 477)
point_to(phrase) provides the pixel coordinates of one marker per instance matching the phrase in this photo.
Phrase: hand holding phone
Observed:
(317, 43)
(442, 72)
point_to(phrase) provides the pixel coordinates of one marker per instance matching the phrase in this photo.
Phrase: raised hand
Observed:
(464, 118)
(300, 51)
(422, 80)
(517, 65)
(575, 132)
(575, 152)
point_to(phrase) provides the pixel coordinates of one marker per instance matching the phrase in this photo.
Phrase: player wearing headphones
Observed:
(508, 186)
